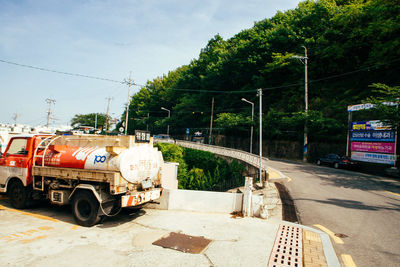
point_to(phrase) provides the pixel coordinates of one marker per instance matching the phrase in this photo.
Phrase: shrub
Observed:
(201, 170)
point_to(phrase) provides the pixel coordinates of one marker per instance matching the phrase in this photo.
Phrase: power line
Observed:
(60, 72)
(205, 90)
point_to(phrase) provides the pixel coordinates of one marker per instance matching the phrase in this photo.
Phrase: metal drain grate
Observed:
(288, 247)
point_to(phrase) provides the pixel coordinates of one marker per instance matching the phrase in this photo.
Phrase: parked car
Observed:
(198, 137)
(336, 161)
(164, 138)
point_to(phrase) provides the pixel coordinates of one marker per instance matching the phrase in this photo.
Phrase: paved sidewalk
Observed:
(31, 238)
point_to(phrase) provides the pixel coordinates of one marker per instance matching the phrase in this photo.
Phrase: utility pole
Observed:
(147, 123)
(169, 115)
(304, 60)
(95, 122)
(49, 101)
(15, 117)
(260, 116)
(130, 82)
(108, 110)
(211, 122)
(306, 104)
(251, 129)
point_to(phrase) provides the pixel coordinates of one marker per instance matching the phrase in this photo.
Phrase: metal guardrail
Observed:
(250, 159)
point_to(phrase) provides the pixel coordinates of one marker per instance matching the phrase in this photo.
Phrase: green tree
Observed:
(89, 120)
(387, 101)
(351, 44)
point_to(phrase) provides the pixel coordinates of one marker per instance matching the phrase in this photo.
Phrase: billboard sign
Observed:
(373, 157)
(360, 107)
(369, 126)
(368, 106)
(374, 136)
(379, 147)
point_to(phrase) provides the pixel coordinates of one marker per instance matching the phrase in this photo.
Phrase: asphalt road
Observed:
(363, 207)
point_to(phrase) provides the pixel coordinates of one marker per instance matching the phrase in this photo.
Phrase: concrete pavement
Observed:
(48, 236)
(361, 212)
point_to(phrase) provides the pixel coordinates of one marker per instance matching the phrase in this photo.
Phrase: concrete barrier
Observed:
(200, 201)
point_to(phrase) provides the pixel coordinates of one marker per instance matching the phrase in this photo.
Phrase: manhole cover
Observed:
(184, 243)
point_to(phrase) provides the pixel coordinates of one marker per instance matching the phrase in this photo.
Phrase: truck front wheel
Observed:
(85, 208)
(18, 195)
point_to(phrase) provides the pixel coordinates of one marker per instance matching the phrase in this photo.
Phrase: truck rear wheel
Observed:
(85, 208)
(18, 195)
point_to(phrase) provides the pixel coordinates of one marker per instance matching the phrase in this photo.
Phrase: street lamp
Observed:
(304, 60)
(251, 131)
(169, 114)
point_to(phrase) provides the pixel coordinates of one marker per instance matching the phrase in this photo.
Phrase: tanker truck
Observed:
(96, 175)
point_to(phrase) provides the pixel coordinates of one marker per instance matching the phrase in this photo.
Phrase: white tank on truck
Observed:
(135, 163)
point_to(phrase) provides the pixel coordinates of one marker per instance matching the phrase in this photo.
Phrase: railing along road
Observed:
(250, 159)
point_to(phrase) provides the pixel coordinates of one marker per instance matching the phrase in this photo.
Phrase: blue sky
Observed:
(106, 39)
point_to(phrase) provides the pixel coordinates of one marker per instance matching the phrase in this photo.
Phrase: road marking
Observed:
(348, 260)
(289, 179)
(43, 217)
(393, 193)
(33, 239)
(21, 236)
(330, 233)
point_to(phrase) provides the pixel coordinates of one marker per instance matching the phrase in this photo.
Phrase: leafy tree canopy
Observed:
(350, 44)
(89, 120)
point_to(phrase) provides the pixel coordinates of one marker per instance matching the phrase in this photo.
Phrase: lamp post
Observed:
(260, 125)
(251, 130)
(304, 60)
(169, 114)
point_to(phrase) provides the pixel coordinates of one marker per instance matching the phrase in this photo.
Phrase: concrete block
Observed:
(200, 201)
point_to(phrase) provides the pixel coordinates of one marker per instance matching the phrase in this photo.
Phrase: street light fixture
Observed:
(304, 60)
(252, 116)
(169, 115)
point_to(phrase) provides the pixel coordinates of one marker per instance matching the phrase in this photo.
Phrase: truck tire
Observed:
(18, 195)
(85, 208)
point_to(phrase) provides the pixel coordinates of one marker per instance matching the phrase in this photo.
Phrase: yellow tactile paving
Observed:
(313, 252)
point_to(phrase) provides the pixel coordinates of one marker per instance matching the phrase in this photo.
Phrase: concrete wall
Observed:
(200, 201)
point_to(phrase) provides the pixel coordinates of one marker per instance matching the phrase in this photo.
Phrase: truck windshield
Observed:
(17, 147)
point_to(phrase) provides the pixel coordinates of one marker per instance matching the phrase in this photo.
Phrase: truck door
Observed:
(14, 161)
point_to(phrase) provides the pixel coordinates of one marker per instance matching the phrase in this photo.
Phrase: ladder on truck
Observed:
(44, 144)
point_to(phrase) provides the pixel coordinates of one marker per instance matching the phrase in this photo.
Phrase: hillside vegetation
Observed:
(351, 45)
(202, 170)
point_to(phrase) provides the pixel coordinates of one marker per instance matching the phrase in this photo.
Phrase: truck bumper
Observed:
(140, 197)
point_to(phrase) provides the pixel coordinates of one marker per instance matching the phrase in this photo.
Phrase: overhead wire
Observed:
(60, 72)
(205, 90)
